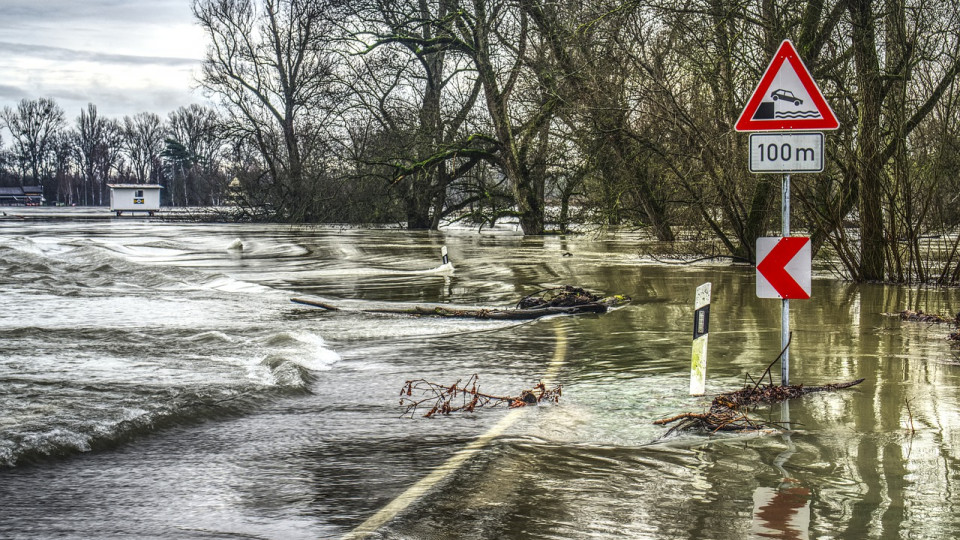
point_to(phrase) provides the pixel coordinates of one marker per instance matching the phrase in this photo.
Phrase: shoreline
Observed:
(191, 213)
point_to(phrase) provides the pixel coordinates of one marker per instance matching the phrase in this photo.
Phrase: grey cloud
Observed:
(52, 11)
(73, 33)
(11, 95)
(11, 92)
(110, 103)
(68, 55)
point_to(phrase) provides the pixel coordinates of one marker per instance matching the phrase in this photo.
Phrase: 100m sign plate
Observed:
(786, 152)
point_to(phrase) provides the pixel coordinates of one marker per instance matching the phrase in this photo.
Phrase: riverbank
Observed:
(170, 213)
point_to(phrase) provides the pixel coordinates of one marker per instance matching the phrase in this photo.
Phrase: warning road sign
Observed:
(787, 98)
(783, 267)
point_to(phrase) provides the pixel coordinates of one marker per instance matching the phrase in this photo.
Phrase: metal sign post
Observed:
(786, 101)
(785, 310)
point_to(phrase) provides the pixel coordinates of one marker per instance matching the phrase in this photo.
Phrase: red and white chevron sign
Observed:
(783, 267)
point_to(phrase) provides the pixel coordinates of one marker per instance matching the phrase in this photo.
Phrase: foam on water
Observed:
(233, 285)
(103, 416)
(211, 336)
(112, 338)
(305, 349)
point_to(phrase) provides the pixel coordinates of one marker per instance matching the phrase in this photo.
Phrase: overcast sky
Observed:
(124, 56)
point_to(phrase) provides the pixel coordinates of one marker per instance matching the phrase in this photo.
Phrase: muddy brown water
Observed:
(156, 382)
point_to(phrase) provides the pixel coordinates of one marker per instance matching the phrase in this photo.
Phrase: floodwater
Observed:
(156, 382)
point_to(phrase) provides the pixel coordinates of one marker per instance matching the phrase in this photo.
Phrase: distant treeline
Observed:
(186, 152)
(552, 112)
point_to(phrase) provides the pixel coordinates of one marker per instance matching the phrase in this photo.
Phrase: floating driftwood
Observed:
(921, 317)
(565, 300)
(466, 397)
(729, 411)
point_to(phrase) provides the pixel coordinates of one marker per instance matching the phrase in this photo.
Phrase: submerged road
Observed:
(439, 474)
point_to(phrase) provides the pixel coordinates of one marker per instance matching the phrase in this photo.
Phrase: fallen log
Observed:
(423, 310)
(560, 301)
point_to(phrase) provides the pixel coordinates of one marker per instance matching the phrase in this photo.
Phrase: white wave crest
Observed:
(304, 349)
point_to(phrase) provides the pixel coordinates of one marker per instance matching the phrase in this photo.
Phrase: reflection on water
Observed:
(782, 512)
(156, 382)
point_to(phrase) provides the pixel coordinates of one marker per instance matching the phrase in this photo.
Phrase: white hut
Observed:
(134, 198)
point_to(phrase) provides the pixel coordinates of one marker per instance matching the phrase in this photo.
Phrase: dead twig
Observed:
(910, 416)
(466, 397)
(775, 360)
(729, 411)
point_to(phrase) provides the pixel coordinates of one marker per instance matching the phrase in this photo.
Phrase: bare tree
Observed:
(595, 45)
(519, 95)
(690, 71)
(886, 57)
(143, 142)
(422, 99)
(192, 151)
(893, 65)
(270, 64)
(630, 105)
(97, 146)
(63, 165)
(33, 124)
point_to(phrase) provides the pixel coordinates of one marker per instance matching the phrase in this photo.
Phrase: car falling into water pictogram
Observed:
(785, 95)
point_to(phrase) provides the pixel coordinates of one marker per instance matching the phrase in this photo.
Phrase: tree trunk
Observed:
(868, 169)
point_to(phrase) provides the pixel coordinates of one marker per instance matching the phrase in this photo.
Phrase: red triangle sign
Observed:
(787, 98)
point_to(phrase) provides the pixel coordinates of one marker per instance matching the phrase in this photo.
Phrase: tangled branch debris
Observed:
(729, 411)
(467, 397)
(566, 296)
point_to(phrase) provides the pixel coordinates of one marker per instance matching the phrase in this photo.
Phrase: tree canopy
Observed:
(617, 114)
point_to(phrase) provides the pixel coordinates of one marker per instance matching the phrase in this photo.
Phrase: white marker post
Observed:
(446, 267)
(701, 326)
